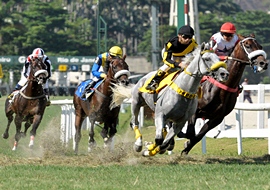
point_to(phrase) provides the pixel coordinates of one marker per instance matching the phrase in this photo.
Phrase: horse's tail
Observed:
(120, 93)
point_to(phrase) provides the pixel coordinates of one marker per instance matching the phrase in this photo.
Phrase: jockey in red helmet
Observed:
(223, 42)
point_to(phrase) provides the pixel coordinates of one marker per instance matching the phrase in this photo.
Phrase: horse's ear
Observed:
(124, 57)
(252, 35)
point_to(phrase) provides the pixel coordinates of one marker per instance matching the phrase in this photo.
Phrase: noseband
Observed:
(117, 74)
(250, 55)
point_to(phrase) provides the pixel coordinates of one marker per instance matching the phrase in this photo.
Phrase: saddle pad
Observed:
(81, 88)
(165, 82)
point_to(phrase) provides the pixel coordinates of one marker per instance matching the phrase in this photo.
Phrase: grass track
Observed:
(51, 166)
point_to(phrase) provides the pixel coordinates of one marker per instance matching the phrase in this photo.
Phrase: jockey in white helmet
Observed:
(37, 53)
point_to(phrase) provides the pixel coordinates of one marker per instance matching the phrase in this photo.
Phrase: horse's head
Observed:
(212, 65)
(38, 71)
(119, 71)
(248, 50)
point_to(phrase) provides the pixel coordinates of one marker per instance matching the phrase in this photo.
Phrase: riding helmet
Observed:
(116, 51)
(228, 27)
(186, 30)
(38, 53)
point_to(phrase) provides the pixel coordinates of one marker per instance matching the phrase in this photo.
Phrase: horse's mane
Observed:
(189, 57)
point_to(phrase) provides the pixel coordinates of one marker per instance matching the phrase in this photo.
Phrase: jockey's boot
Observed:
(47, 94)
(155, 81)
(17, 87)
(87, 91)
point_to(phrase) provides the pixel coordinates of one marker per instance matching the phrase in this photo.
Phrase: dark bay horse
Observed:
(97, 107)
(219, 99)
(176, 102)
(28, 104)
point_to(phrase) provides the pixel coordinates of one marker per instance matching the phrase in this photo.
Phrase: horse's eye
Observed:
(247, 46)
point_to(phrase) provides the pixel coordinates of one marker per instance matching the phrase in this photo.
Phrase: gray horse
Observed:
(175, 103)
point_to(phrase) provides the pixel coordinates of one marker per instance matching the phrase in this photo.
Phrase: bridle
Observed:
(209, 69)
(250, 56)
(36, 78)
(117, 74)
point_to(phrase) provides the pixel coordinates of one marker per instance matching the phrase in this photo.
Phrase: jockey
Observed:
(223, 42)
(37, 53)
(175, 49)
(101, 66)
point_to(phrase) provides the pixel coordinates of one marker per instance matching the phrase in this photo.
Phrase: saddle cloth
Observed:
(81, 88)
(166, 81)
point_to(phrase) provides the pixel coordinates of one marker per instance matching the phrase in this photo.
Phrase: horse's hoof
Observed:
(137, 148)
(170, 152)
(138, 145)
(14, 148)
(5, 136)
(145, 153)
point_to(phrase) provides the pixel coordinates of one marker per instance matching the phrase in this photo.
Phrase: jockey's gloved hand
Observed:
(103, 75)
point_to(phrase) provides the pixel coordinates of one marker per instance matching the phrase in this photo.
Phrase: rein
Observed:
(249, 55)
(220, 85)
(31, 98)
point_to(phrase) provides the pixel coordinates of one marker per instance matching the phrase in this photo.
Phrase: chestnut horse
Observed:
(219, 99)
(28, 104)
(97, 106)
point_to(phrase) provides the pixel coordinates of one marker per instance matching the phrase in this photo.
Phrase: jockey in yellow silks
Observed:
(101, 65)
(176, 48)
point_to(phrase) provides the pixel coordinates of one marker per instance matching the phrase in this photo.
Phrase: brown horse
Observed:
(219, 99)
(28, 104)
(97, 106)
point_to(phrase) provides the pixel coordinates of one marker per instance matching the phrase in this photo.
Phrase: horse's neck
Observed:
(33, 88)
(105, 87)
(236, 70)
(187, 82)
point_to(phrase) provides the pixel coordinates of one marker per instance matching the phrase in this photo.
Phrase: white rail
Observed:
(68, 120)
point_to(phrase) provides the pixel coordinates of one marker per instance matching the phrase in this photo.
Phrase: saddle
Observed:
(81, 89)
(166, 81)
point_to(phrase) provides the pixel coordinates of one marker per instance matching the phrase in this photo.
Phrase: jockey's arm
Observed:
(26, 65)
(96, 66)
(47, 62)
(167, 59)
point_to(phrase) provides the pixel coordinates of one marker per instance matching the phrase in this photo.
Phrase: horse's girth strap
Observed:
(182, 92)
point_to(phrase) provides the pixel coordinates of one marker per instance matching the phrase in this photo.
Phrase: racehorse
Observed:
(176, 102)
(97, 107)
(219, 99)
(28, 104)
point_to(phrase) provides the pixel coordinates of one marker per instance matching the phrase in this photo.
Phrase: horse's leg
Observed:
(26, 127)
(112, 131)
(190, 128)
(91, 141)
(18, 123)
(36, 121)
(134, 124)
(79, 118)
(206, 127)
(10, 119)
(160, 125)
(168, 142)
